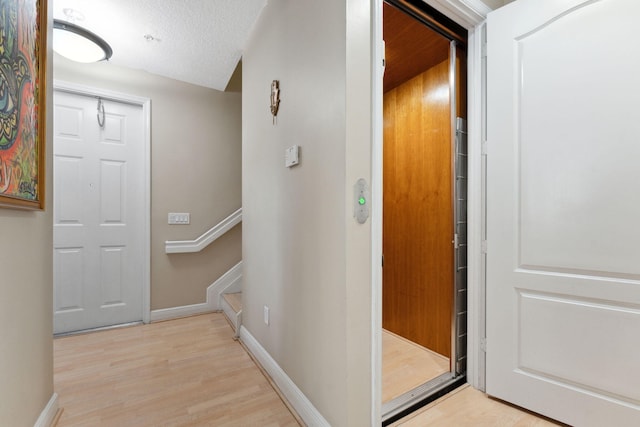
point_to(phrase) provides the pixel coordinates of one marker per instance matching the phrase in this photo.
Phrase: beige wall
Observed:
(304, 255)
(195, 167)
(26, 308)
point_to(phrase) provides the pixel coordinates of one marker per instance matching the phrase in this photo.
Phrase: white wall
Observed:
(494, 4)
(195, 168)
(26, 306)
(304, 255)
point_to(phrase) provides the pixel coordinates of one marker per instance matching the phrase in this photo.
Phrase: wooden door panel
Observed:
(418, 211)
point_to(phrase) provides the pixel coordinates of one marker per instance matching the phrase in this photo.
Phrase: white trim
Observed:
(234, 318)
(475, 215)
(146, 269)
(303, 406)
(229, 279)
(471, 15)
(378, 56)
(467, 13)
(183, 311)
(145, 103)
(209, 236)
(103, 93)
(48, 413)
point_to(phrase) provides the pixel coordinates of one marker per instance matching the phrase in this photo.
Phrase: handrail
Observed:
(209, 236)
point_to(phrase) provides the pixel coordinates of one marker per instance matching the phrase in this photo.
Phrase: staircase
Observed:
(231, 305)
(225, 293)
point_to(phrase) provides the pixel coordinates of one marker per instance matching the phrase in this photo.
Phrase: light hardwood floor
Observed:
(184, 372)
(468, 407)
(406, 365)
(190, 372)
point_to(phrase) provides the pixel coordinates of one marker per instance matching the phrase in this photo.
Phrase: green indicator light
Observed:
(362, 201)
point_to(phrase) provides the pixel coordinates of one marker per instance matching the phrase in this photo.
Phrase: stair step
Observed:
(232, 309)
(234, 300)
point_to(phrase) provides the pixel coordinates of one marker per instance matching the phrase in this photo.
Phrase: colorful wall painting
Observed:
(23, 46)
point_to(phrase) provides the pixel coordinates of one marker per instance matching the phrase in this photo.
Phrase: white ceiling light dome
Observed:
(79, 44)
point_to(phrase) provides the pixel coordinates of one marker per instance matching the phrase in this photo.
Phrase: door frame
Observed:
(145, 104)
(471, 15)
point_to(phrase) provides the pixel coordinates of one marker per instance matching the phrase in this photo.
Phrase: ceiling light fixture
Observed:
(78, 44)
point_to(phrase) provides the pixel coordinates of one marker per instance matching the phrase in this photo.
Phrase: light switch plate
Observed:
(292, 156)
(266, 315)
(179, 218)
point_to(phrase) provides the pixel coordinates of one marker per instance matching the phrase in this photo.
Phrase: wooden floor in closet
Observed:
(406, 365)
(468, 407)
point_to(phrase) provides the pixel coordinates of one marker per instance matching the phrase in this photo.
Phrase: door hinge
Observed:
(456, 243)
(483, 51)
(484, 148)
(382, 261)
(483, 246)
(483, 344)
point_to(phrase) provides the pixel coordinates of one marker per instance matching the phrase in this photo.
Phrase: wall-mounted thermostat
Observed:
(361, 201)
(292, 156)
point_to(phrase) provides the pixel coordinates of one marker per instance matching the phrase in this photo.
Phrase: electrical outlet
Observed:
(266, 315)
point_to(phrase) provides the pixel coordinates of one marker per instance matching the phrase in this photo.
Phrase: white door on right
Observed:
(563, 209)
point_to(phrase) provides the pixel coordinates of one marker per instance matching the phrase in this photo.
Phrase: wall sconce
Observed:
(78, 44)
(275, 99)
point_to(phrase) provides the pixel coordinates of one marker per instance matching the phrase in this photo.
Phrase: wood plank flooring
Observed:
(190, 372)
(406, 365)
(468, 407)
(184, 372)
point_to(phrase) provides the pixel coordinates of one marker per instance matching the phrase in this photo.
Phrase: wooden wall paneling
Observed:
(410, 47)
(418, 216)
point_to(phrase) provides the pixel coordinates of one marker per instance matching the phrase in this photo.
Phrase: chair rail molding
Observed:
(208, 237)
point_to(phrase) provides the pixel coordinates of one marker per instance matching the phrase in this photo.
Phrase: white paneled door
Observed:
(563, 197)
(98, 212)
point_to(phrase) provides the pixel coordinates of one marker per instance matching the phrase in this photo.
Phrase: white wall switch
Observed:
(292, 156)
(266, 315)
(179, 218)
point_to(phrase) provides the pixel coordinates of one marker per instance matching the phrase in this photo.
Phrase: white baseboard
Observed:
(48, 413)
(182, 311)
(293, 394)
(229, 279)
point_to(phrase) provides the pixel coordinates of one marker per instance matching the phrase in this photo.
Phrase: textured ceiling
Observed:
(196, 41)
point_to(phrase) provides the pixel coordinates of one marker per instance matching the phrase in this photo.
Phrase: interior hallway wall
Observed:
(304, 255)
(195, 167)
(26, 302)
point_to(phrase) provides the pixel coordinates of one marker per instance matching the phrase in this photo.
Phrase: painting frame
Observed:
(23, 67)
